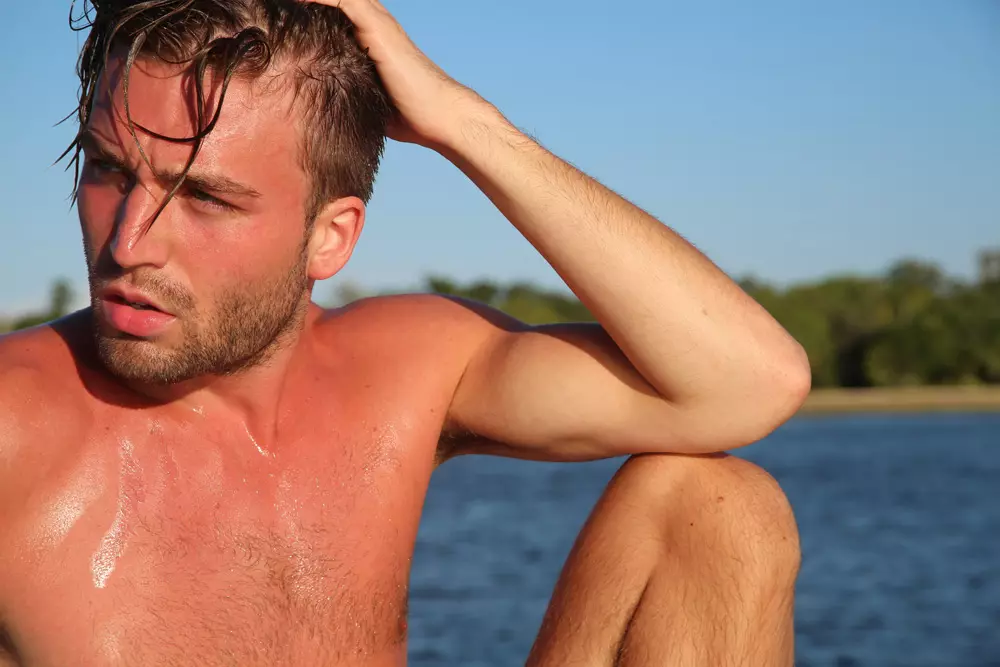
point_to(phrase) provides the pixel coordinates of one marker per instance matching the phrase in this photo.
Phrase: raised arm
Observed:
(683, 361)
(716, 370)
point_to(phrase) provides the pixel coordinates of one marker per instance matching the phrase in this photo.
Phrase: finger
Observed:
(368, 16)
(355, 9)
(375, 28)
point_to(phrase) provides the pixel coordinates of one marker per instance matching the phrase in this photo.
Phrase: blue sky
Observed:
(787, 140)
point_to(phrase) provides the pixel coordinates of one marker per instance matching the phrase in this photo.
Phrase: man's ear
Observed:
(335, 233)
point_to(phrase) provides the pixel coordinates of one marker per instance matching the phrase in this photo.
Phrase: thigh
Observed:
(684, 561)
(603, 578)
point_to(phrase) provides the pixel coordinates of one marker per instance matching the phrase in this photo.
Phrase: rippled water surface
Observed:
(900, 525)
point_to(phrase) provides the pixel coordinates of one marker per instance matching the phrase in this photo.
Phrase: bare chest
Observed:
(169, 549)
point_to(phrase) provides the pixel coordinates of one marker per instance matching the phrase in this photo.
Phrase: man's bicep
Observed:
(559, 392)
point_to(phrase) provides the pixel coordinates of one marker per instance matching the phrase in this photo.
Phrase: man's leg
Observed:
(685, 561)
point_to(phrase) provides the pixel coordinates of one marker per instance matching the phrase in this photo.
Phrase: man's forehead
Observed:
(253, 125)
(163, 99)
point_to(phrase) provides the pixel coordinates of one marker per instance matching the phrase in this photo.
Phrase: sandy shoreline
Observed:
(910, 399)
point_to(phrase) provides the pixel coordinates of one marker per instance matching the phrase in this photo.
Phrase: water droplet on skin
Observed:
(287, 506)
(383, 455)
(113, 544)
(61, 513)
(108, 640)
(263, 452)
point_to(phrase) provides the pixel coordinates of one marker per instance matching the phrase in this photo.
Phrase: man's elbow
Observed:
(792, 385)
(750, 413)
(777, 398)
(737, 414)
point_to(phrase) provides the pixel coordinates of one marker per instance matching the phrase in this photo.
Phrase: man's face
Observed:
(220, 275)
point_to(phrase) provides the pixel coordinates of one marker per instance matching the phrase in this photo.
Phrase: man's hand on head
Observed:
(431, 106)
(684, 360)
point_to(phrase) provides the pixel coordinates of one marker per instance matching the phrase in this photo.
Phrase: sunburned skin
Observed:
(171, 535)
(130, 494)
(204, 467)
(253, 440)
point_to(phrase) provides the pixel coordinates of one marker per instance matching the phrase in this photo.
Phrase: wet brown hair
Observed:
(344, 108)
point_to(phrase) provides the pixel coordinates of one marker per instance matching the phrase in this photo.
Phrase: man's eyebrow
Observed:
(194, 180)
(90, 143)
(212, 183)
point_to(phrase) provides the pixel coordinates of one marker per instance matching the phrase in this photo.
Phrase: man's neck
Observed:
(251, 396)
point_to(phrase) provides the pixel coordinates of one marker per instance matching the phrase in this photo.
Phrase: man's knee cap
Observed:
(732, 499)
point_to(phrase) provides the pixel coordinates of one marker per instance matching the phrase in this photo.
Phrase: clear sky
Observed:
(788, 140)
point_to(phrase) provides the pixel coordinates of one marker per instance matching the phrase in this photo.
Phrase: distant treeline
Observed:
(60, 300)
(911, 326)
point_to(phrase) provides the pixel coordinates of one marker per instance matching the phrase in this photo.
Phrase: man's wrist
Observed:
(476, 125)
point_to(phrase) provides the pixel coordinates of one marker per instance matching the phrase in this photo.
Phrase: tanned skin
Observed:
(241, 484)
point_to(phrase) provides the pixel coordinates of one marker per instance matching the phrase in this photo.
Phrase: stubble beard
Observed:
(248, 326)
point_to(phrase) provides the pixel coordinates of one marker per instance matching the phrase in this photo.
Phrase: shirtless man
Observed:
(204, 468)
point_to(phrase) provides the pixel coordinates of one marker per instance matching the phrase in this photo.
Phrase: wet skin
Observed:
(268, 517)
(137, 533)
(260, 519)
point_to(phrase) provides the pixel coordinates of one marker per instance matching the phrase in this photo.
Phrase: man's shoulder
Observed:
(416, 328)
(40, 402)
(434, 314)
(38, 368)
(46, 350)
(24, 363)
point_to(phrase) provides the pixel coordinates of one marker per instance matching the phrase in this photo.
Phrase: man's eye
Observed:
(103, 166)
(208, 200)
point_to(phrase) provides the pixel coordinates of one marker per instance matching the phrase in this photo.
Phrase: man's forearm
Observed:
(695, 336)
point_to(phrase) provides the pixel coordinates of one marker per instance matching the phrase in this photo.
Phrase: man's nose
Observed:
(139, 238)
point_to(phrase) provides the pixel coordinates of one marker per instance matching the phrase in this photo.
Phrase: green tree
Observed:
(60, 298)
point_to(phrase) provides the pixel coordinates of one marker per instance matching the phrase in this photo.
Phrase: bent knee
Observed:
(724, 505)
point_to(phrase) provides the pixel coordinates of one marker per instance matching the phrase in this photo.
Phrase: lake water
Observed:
(900, 525)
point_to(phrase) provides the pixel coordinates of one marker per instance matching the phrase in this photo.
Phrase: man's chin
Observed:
(139, 360)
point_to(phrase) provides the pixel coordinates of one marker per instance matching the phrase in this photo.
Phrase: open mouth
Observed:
(138, 317)
(138, 305)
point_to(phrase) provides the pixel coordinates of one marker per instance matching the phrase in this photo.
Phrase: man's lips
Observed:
(131, 297)
(133, 313)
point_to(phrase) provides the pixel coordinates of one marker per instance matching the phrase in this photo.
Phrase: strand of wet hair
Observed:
(96, 56)
(233, 50)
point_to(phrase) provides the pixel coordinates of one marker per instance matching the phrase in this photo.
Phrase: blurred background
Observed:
(840, 160)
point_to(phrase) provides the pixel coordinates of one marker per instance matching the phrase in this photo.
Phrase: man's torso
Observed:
(160, 535)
